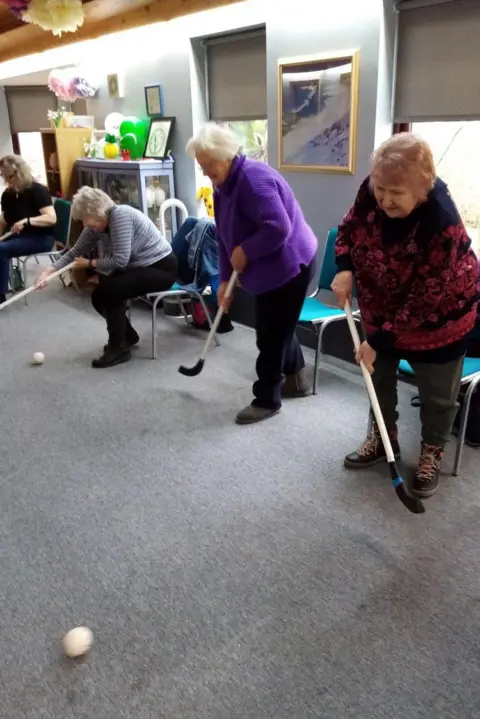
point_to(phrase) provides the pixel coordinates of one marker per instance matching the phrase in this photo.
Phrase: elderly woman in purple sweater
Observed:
(264, 236)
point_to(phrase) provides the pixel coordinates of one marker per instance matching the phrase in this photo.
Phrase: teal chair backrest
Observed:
(61, 231)
(329, 265)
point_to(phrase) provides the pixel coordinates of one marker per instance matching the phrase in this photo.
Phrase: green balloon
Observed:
(129, 142)
(141, 128)
(128, 126)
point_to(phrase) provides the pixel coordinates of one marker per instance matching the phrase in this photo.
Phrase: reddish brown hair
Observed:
(404, 159)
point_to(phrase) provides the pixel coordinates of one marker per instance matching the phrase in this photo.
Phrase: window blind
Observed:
(438, 56)
(28, 107)
(237, 76)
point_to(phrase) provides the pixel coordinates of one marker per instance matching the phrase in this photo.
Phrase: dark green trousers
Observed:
(438, 387)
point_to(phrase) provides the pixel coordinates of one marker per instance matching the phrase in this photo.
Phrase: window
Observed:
(456, 149)
(252, 136)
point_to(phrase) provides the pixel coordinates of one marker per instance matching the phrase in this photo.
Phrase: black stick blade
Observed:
(413, 504)
(192, 371)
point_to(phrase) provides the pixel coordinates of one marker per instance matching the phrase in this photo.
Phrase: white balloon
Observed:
(113, 122)
(77, 642)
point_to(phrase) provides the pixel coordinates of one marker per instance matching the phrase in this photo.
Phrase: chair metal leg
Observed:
(318, 332)
(154, 326)
(53, 258)
(24, 273)
(369, 422)
(184, 311)
(463, 424)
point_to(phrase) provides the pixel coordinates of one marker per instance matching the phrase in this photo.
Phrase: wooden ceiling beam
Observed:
(102, 17)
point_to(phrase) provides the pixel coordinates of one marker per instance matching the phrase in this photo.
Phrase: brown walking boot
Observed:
(295, 385)
(425, 482)
(372, 450)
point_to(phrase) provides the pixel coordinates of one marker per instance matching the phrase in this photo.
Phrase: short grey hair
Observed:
(216, 140)
(91, 202)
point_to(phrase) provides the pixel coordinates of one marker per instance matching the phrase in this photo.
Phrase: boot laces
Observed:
(370, 445)
(429, 463)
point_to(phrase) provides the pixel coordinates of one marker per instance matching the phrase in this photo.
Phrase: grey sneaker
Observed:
(296, 385)
(252, 414)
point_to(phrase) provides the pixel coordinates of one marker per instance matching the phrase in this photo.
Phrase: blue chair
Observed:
(470, 377)
(315, 312)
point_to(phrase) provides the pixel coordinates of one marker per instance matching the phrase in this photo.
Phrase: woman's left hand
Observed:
(81, 263)
(367, 355)
(239, 259)
(18, 226)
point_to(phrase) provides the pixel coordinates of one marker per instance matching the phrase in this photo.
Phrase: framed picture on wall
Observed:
(154, 100)
(159, 137)
(317, 108)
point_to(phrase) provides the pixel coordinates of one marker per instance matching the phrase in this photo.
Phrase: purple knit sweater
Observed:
(256, 208)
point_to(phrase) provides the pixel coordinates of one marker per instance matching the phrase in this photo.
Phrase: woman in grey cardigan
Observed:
(134, 259)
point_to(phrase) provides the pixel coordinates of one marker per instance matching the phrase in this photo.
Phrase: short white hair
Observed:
(216, 140)
(91, 202)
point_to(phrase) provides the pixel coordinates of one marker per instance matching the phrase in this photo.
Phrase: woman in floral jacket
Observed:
(405, 246)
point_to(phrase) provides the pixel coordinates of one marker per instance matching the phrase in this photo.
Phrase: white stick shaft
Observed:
(370, 387)
(228, 291)
(6, 236)
(19, 295)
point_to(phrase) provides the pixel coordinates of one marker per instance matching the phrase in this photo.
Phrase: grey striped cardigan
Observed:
(131, 240)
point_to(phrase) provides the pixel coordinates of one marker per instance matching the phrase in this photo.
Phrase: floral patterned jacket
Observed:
(416, 278)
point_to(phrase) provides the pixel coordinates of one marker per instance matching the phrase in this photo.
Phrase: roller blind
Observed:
(438, 60)
(28, 107)
(237, 76)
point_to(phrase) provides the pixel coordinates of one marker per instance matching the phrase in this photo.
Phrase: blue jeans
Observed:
(20, 246)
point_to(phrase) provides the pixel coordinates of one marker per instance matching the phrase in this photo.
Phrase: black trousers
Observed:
(112, 291)
(280, 354)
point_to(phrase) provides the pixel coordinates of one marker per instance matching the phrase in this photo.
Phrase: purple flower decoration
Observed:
(18, 7)
(83, 87)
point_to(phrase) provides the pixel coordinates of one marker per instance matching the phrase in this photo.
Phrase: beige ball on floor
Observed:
(38, 358)
(77, 642)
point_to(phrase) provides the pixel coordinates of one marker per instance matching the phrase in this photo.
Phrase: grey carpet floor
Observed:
(226, 572)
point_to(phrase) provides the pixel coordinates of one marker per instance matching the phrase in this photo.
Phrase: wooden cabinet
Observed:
(62, 147)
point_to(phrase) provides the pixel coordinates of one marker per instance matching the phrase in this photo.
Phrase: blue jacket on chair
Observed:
(196, 248)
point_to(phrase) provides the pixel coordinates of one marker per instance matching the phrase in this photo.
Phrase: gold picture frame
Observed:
(318, 113)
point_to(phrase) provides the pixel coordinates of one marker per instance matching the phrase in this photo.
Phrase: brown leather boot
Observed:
(372, 450)
(296, 385)
(425, 482)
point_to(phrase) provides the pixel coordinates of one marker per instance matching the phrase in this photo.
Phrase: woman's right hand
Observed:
(224, 302)
(342, 286)
(42, 280)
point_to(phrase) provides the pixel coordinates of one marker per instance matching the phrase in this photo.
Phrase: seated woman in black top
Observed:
(27, 211)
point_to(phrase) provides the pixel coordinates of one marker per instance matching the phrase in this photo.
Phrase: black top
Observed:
(17, 206)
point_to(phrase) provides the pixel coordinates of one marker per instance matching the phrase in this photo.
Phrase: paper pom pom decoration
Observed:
(58, 16)
(72, 83)
(18, 7)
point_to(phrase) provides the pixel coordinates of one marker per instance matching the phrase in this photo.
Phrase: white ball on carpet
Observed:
(77, 642)
(38, 358)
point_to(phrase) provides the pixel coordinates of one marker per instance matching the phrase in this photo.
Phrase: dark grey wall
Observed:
(6, 147)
